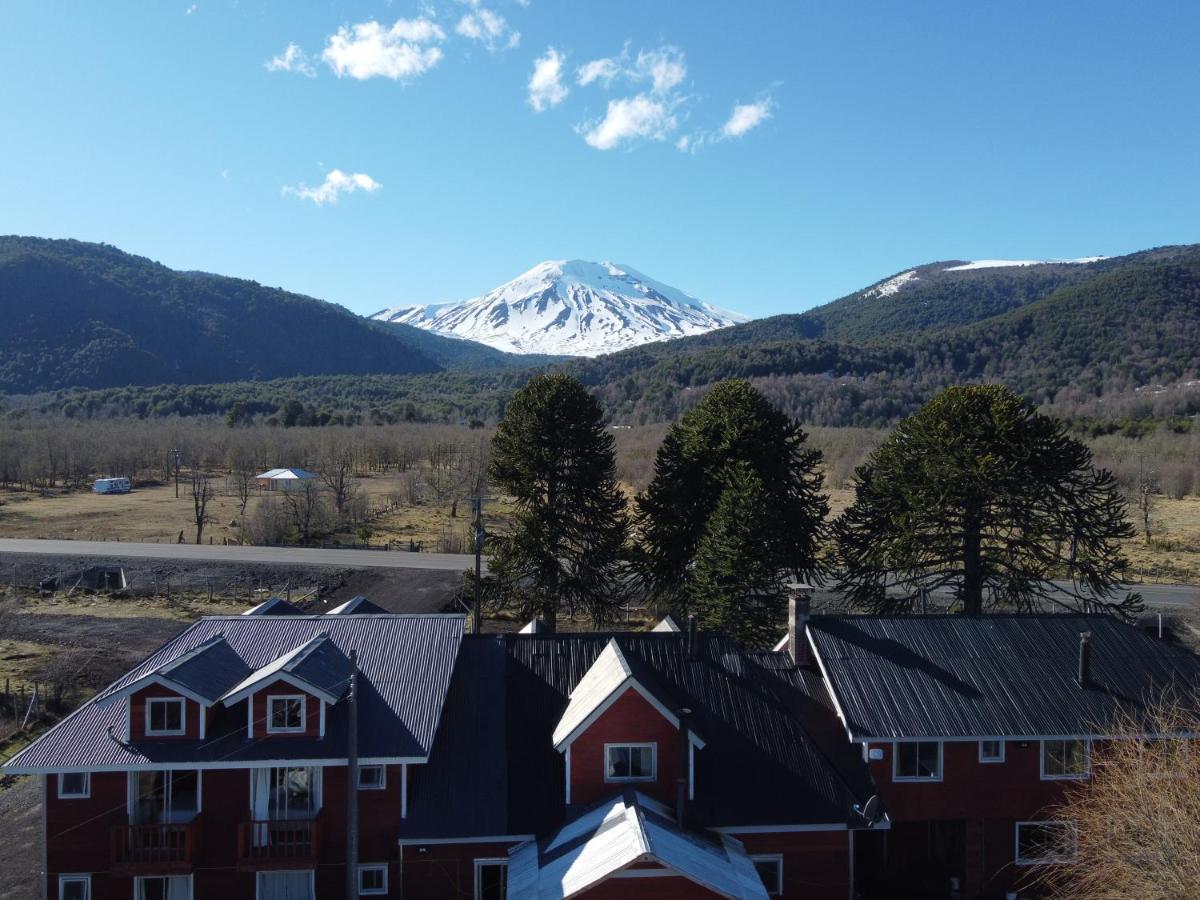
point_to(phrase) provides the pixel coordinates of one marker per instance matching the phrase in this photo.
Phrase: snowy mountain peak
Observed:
(570, 307)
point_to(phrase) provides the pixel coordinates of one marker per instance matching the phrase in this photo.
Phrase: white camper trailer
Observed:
(111, 486)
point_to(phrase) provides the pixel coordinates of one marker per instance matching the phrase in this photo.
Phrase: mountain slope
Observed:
(77, 314)
(570, 308)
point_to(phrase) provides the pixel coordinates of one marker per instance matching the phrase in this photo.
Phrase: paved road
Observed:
(294, 556)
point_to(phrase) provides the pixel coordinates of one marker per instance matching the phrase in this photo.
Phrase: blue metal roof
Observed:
(405, 662)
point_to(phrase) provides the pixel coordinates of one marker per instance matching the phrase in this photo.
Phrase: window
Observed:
(74, 785)
(164, 715)
(991, 751)
(163, 887)
(629, 762)
(372, 778)
(286, 885)
(1065, 759)
(917, 761)
(74, 887)
(372, 879)
(491, 879)
(285, 793)
(1045, 842)
(770, 869)
(285, 714)
(164, 797)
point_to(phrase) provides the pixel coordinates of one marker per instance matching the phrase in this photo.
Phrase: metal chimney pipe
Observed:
(683, 772)
(691, 637)
(1085, 658)
(799, 610)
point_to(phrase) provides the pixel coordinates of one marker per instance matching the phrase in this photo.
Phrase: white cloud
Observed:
(191, 9)
(665, 69)
(368, 49)
(488, 28)
(336, 183)
(545, 84)
(602, 70)
(292, 59)
(746, 116)
(640, 116)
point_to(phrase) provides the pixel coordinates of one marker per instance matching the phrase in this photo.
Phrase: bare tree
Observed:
(1146, 497)
(202, 492)
(305, 507)
(337, 468)
(1135, 826)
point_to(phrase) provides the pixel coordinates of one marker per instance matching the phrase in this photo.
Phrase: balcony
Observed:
(278, 843)
(155, 849)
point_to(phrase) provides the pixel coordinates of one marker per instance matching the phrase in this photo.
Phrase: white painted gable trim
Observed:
(147, 681)
(630, 683)
(275, 677)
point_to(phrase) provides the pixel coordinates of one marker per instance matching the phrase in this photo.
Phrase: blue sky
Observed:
(765, 156)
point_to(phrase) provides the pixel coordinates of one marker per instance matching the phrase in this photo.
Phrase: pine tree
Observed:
(979, 493)
(553, 455)
(733, 434)
(733, 588)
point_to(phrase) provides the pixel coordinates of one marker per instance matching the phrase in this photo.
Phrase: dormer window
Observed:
(630, 762)
(165, 716)
(285, 714)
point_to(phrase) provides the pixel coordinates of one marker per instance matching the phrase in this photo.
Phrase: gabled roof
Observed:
(273, 606)
(993, 675)
(357, 606)
(534, 626)
(286, 475)
(631, 829)
(202, 674)
(607, 679)
(667, 624)
(317, 666)
(405, 664)
(494, 770)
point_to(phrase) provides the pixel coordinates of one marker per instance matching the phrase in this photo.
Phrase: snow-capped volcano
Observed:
(570, 308)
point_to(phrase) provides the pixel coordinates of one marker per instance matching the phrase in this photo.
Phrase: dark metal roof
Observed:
(210, 671)
(405, 663)
(357, 606)
(274, 606)
(760, 765)
(993, 675)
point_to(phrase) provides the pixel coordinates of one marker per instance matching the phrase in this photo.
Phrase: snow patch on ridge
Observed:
(893, 285)
(1002, 263)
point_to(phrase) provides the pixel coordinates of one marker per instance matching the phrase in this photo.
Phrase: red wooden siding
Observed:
(137, 714)
(312, 710)
(630, 720)
(816, 864)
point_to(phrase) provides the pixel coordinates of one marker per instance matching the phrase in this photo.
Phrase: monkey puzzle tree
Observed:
(733, 457)
(980, 493)
(553, 455)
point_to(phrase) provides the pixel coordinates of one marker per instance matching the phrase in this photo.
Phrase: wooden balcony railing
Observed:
(282, 842)
(155, 848)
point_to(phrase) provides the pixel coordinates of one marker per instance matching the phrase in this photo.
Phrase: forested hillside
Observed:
(87, 315)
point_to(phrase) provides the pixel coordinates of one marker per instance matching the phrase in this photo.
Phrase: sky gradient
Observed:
(764, 156)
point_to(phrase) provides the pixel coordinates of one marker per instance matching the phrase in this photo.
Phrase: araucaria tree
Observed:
(735, 510)
(979, 493)
(554, 456)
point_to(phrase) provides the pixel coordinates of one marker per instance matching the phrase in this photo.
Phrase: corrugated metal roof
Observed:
(357, 606)
(209, 672)
(994, 675)
(605, 676)
(317, 665)
(405, 663)
(667, 624)
(273, 606)
(618, 833)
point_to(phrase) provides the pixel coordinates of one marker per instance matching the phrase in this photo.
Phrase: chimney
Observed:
(799, 606)
(683, 771)
(691, 637)
(1085, 658)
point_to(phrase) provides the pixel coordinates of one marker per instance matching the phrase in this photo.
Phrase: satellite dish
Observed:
(872, 810)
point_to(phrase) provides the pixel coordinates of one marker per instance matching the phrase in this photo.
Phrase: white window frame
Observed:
(272, 699)
(482, 861)
(258, 876)
(920, 779)
(379, 785)
(1017, 859)
(1072, 776)
(87, 786)
(84, 877)
(139, 880)
(618, 779)
(132, 797)
(992, 759)
(777, 858)
(181, 702)
(373, 867)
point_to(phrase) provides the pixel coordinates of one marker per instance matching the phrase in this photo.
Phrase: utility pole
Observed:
(352, 780)
(480, 533)
(175, 457)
